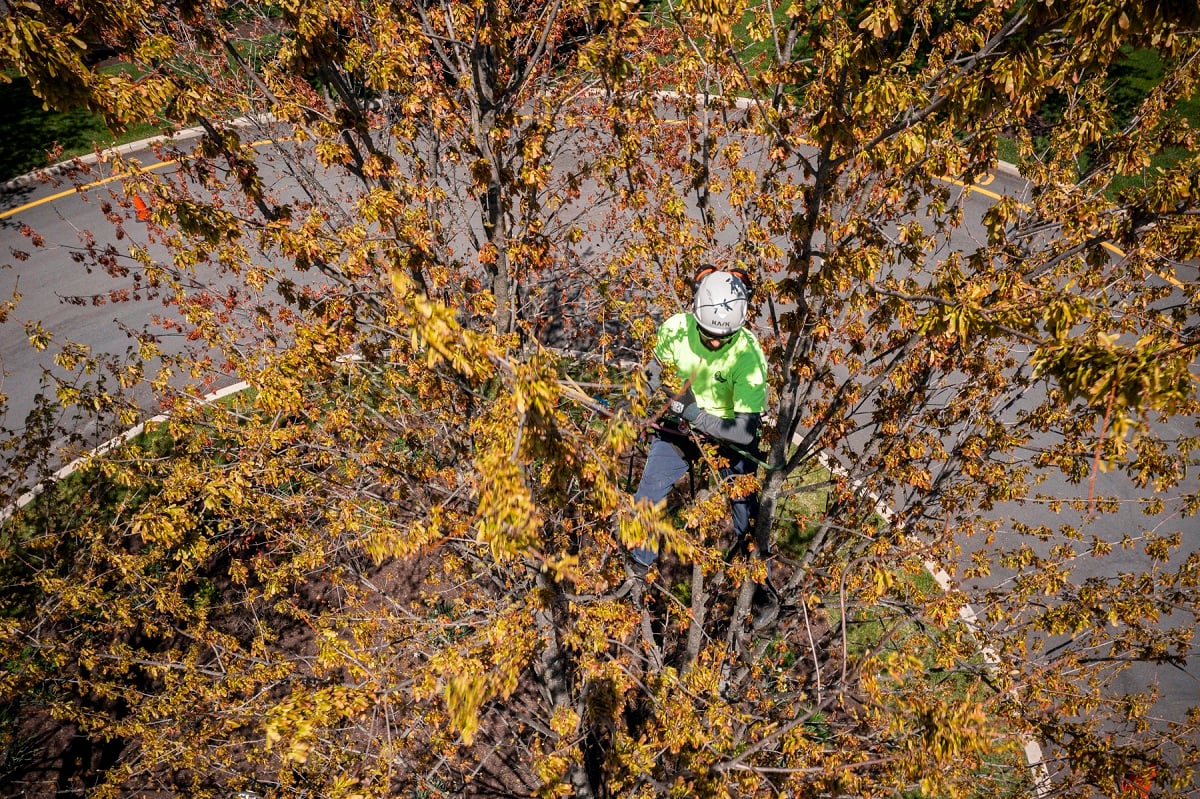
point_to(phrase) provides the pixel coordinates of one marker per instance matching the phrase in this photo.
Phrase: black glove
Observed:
(684, 405)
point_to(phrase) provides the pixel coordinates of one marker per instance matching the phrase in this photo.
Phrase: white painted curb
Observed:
(107, 446)
(63, 168)
(1033, 750)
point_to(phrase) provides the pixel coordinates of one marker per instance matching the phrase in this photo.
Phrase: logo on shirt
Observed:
(720, 377)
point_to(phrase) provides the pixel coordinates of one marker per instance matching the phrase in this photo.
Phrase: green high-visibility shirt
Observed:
(725, 382)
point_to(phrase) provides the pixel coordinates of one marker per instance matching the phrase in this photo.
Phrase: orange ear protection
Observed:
(707, 269)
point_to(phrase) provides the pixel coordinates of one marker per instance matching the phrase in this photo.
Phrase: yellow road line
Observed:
(1114, 249)
(87, 186)
(975, 187)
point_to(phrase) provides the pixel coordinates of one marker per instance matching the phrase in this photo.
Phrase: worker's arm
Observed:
(741, 429)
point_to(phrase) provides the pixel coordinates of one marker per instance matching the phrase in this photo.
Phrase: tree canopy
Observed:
(434, 239)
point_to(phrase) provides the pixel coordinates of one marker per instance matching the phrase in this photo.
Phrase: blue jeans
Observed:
(668, 459)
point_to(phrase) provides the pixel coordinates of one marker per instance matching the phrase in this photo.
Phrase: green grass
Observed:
(41, 534)
(801, 510)
(888, 629)
(30, 131)
(1131, 80)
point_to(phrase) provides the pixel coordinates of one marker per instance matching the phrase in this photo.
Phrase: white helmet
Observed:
(721, 302)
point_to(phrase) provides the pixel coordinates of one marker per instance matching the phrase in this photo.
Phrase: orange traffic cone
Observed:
(139, 206)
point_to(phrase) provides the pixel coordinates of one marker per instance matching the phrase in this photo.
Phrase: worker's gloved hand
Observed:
(684, 405)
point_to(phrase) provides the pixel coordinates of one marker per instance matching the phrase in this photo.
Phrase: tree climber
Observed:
(721, 397)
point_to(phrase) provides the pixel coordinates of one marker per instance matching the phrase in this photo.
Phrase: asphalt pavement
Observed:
(49, 277)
